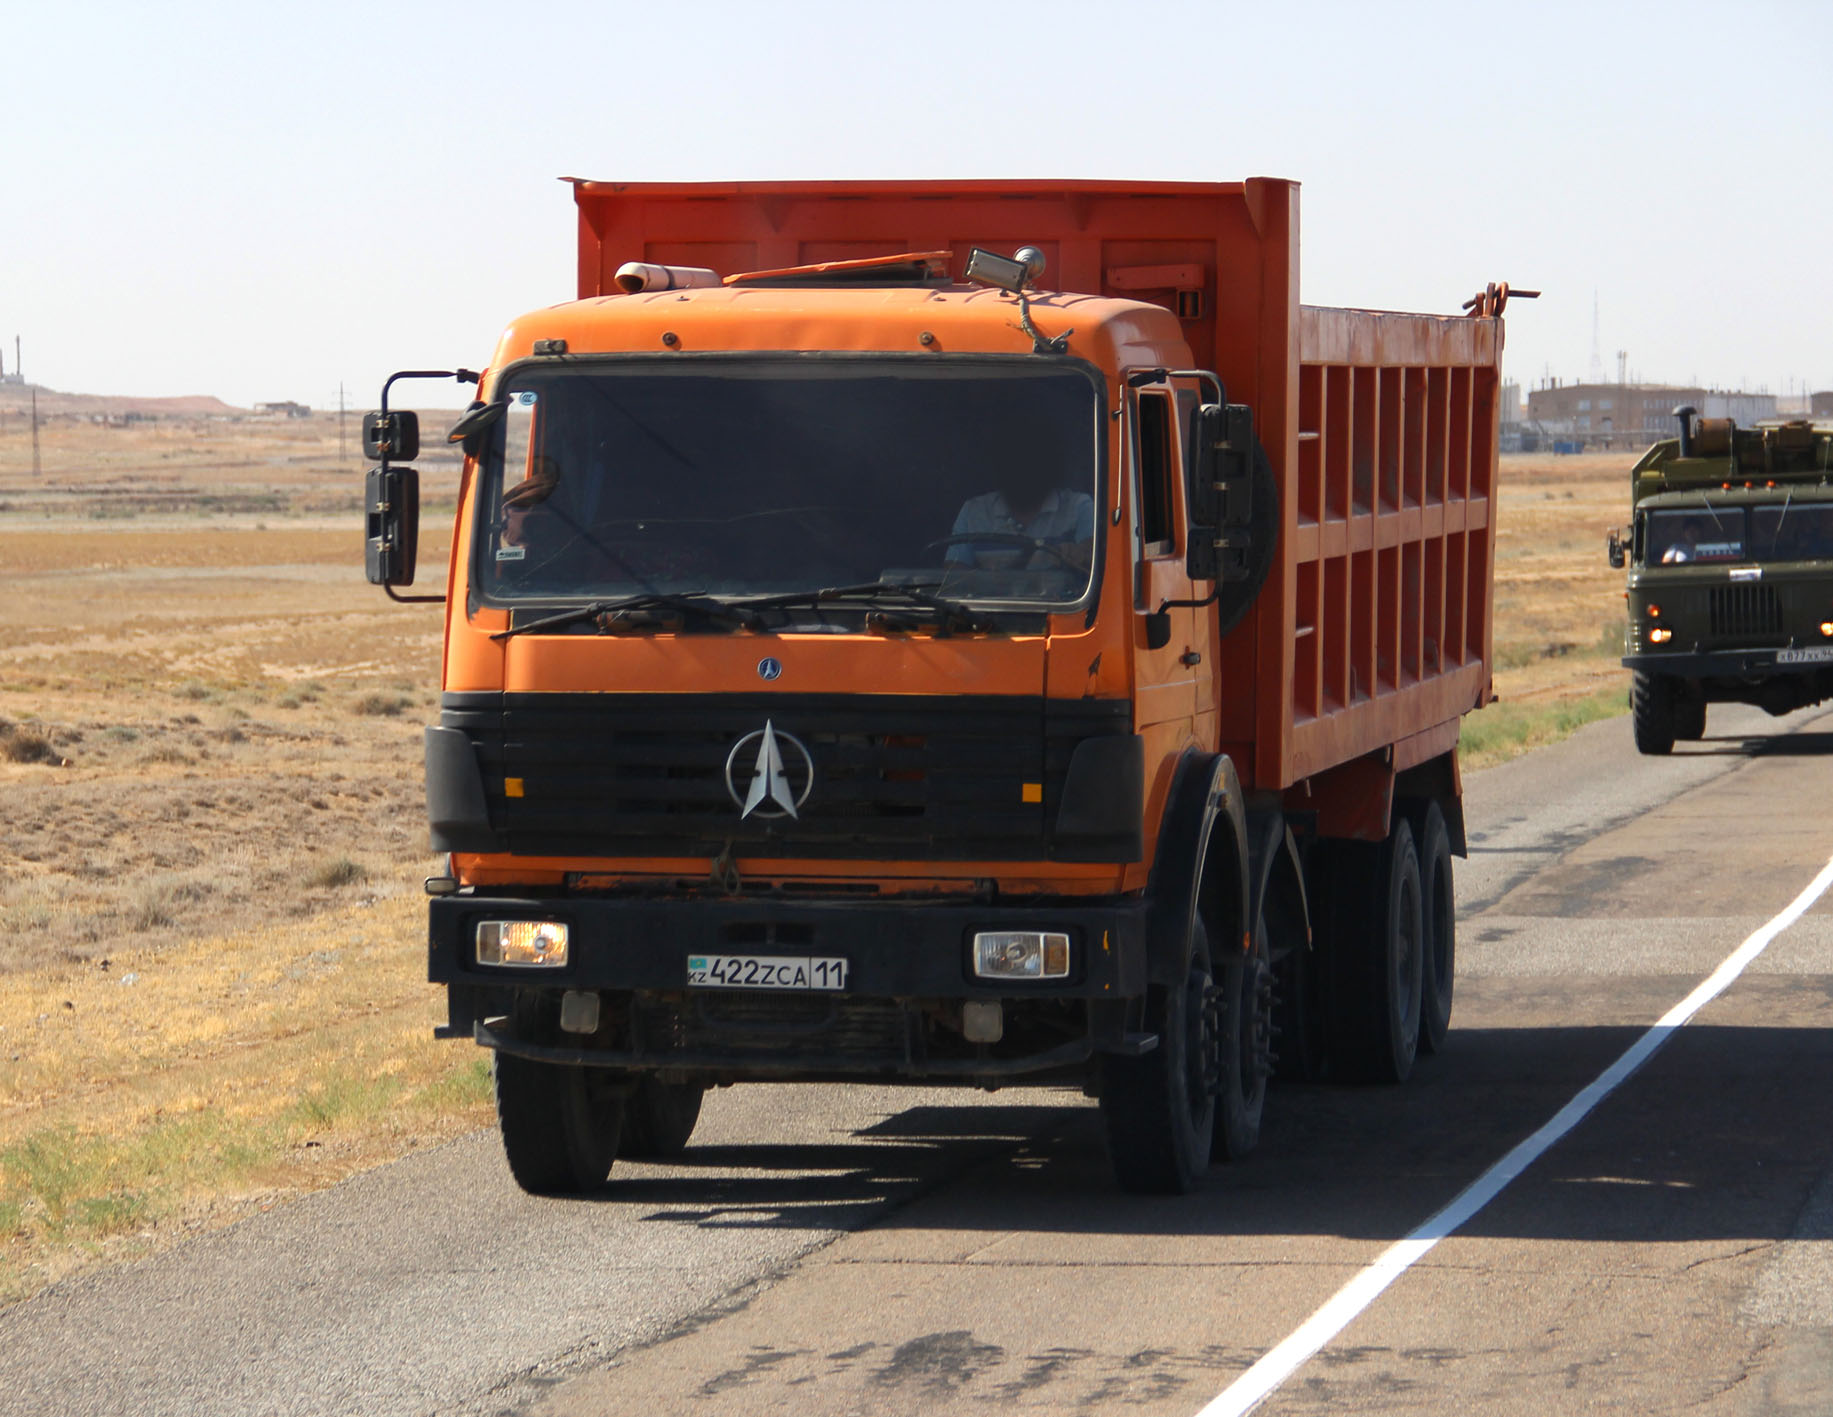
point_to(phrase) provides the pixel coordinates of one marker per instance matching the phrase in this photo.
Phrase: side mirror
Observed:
(471, 427)
(1613, 545)
(391, 437)
(392, 522)
(1221, 494)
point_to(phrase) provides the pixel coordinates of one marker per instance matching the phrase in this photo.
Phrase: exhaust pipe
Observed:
(1684, 413)
(636, 277)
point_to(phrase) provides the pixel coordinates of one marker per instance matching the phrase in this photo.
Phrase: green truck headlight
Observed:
(522, 944)
(1660, 635)
(1021, 954)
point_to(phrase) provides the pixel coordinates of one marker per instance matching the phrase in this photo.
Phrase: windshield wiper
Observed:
(1775, 537)
(955, 613)
(606, 611)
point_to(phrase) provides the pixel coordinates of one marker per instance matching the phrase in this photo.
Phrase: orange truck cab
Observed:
(986, 633)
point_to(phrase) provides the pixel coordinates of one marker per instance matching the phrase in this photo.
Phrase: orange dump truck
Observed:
(982, 633)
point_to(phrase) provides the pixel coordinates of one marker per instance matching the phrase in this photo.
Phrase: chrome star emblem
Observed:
(770, 793)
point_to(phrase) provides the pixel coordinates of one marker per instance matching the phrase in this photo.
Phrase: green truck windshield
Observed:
(977, 479)
(1785, 531)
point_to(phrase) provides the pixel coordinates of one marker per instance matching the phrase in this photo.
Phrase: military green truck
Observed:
(1730, 558)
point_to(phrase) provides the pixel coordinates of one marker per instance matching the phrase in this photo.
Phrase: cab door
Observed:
(1167, 665)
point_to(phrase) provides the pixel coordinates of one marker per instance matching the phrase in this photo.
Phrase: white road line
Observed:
(1279, 1363)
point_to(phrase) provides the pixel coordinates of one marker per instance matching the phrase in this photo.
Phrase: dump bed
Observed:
(1374, 629)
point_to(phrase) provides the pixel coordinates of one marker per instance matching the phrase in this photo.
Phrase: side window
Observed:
(1157, 466)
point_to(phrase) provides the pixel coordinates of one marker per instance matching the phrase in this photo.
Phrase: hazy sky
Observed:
(260, 201)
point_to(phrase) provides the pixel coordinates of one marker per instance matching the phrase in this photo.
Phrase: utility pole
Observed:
(37, 467)
(1595, 373)
(340, 422)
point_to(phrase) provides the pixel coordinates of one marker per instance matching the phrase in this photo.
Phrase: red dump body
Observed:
(1372, 636)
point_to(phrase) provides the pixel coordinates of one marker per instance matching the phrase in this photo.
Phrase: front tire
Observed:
(1690, 720)
(1244, 1008)
(1651, 710)
(560, 1124)
(1158, 1111)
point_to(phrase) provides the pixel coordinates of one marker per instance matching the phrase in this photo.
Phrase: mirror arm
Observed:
(464, 376)
(392, 594)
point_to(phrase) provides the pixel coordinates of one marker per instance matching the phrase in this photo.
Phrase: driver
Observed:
(1028, 503)
(1686, 546)
(531, 531)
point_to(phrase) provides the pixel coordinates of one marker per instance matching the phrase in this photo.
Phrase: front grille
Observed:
(769, 1024)
(1746, 612)
(903, 776)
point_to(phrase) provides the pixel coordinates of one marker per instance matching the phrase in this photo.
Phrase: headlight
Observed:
(1660, 635)
(1021, 954)
(522, 944)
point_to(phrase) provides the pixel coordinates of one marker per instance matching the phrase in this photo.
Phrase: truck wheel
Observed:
(1440, 903)
(1651, 710)
(1244, 1021)
(1158, 1111)
(1379, 965)
(560, 1124)
(1690, 720)
(1301, 1026)
(659, 1117)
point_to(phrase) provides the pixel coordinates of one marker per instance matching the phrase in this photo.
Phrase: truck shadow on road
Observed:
(1782, 745)
(1722, 1136)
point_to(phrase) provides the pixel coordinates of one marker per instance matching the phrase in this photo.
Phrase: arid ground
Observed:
(211, 965)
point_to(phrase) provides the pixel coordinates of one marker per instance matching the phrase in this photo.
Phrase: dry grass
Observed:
(212, 974)
(1559, 605)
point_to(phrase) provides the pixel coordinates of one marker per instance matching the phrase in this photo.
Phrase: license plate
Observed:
(1804, 656)
(766, 972)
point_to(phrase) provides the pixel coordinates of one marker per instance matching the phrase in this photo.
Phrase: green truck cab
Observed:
(1730, 589)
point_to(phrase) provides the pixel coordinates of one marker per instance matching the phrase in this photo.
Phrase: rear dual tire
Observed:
(659, 1118)
(1378, 957)
(1439, 900)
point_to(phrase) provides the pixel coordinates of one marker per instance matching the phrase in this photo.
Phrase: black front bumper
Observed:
(907, 964)
(1727, 663)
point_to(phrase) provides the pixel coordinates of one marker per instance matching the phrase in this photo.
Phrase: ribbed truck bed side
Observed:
(1382, 598)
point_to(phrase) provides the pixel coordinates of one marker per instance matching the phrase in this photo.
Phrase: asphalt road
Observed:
(887, 1251)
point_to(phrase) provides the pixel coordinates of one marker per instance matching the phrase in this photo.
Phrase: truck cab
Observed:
(1730, 575)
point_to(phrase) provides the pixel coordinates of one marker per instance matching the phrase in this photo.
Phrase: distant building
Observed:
(1514, 435)
(1743, 409)
(284, 410)
(1632, 415)
(1821, 405)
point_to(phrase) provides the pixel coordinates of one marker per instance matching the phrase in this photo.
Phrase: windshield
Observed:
(1792, 533)
(1677, 538)
(976, 479)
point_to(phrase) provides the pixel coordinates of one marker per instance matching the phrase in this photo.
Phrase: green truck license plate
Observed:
(766, 972)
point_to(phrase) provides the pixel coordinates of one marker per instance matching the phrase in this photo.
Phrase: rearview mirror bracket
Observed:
(392, 493)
